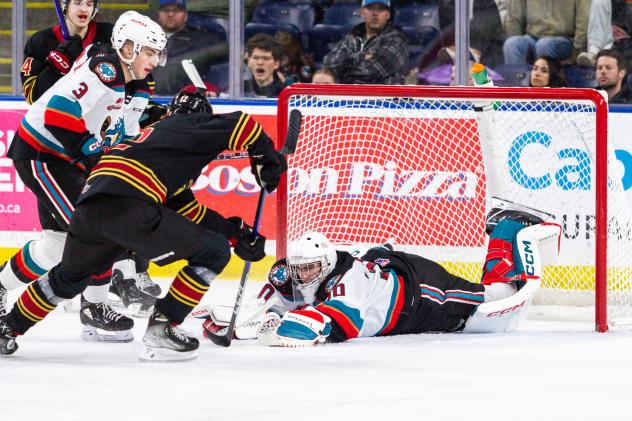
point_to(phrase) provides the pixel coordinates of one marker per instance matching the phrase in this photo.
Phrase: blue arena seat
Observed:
(339, 19)
(420, 24)
(580, 77)
(218, 76)
(207, 23)
(272, 16)
(514, 74)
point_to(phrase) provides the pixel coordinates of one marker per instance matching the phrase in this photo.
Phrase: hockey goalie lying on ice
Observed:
(320, 294)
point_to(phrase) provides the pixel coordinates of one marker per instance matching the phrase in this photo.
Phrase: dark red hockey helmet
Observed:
(190, 102)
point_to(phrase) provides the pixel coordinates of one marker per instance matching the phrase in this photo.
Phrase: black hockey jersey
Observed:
(37, 74)
(166, 159)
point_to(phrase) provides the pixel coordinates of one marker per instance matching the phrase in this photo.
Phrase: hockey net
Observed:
(414, 166)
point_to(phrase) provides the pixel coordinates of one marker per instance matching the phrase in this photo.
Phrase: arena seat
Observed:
(580, 77)
(420, 24)
(338, 20)
(514, 74)
(272, 16)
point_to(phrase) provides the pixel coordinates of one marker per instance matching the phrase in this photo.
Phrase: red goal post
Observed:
(362, 145)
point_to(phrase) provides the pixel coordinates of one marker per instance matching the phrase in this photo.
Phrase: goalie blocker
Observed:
(390, 292)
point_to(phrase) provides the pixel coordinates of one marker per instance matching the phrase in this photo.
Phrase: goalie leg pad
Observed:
(516, 253)
(504, 315)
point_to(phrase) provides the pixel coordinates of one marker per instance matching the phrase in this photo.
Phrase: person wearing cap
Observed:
(373, 52)
(185, 42)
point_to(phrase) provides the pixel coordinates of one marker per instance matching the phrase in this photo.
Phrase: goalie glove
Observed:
(240, 238)
(268, 169)
(297, 328)
(250, 317)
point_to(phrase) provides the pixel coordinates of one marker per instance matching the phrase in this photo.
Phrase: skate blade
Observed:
(8, 347)
(152, 354)
(136, 310)
(92, 334)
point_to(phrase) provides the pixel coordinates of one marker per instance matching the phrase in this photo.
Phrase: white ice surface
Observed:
(544, 371)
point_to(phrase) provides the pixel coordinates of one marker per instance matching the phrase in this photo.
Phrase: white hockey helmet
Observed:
(312, 247)
(64, 6)
(142, 32)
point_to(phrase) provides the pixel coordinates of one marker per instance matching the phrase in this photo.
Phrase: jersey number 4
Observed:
(26, 66)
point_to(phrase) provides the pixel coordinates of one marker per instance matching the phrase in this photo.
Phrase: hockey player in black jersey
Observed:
(139, 197)
(48, 56)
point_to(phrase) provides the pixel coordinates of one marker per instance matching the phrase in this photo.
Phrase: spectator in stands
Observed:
(554, 28)
(183, 42)
(295, 65)
(609, 27)
(324, 76)
(263, 55)
(547, 72)
(486, 32)
(611, 76)
(374, 52)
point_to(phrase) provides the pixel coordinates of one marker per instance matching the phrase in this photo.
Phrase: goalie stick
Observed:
(293, 130)
(62, 20)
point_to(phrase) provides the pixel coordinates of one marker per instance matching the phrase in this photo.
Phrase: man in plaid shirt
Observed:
(374, 51)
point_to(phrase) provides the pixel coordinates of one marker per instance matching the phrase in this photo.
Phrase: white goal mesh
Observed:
(413, 166)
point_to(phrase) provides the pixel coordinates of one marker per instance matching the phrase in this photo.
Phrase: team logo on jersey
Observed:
(332, 283)
(382, 262)
(106, 71)
(278, 275)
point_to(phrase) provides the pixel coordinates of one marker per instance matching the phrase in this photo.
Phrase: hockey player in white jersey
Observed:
(84, 114)
(326, 295)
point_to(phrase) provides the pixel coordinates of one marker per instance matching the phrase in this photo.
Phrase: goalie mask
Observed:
(190, 102)
(310, 259)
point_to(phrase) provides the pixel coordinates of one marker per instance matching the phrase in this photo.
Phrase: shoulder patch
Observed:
(382, 262)
(278, 275)
(106, 71)
(332, 283)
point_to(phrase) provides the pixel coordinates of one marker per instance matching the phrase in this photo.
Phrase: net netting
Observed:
(416, 172)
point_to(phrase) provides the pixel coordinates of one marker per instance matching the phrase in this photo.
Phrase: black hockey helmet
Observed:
(190, 102)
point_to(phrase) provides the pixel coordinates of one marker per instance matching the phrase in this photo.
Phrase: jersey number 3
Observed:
(81, 90)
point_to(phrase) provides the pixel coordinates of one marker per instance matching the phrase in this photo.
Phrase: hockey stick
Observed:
(62, 20)
(293, 130)
(194, 76)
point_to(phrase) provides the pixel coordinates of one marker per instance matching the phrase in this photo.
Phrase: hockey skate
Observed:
(8, 345)
(3, 295)
(166, 342)
(147, 285)
(504, 209)
(137, 302)
(101, 323)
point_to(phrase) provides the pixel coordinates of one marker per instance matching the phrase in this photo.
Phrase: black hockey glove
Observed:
(240, 238)
(81, 155)
(153, 112)
(65, 54)
(268, 169)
